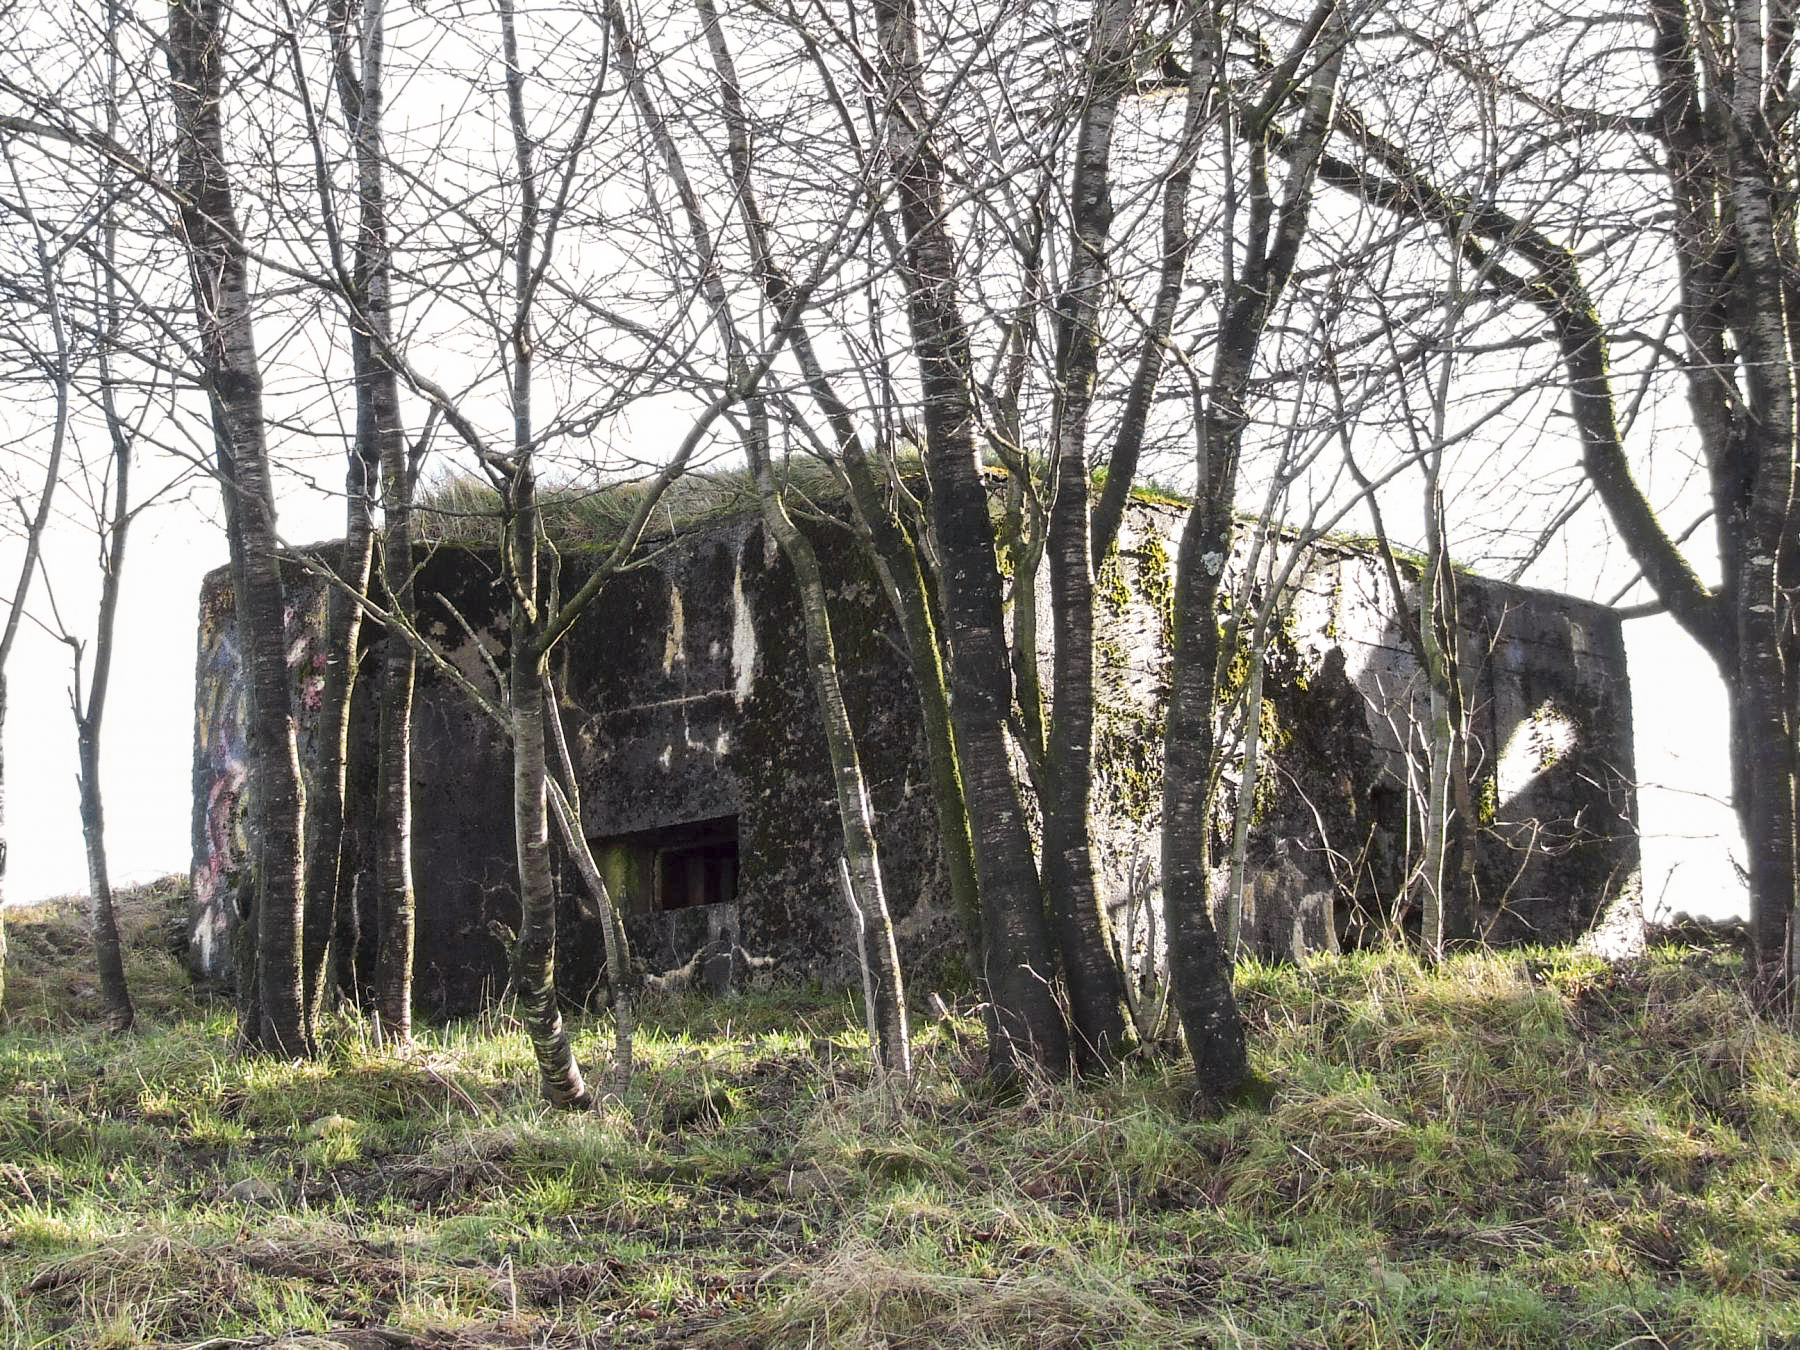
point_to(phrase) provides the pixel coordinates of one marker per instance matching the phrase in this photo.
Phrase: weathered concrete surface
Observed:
(1335, 815)
(1549, 709)
(692, 722)
(686, 701)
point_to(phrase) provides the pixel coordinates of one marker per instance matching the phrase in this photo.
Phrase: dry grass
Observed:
(466, 510)
(1507, 1151)
(863, 1294)
(49, 974)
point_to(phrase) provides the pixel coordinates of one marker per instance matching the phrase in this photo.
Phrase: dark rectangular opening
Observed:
(699, 871)
(676, 867)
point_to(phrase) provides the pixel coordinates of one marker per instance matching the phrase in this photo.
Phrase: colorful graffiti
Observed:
(222, 764)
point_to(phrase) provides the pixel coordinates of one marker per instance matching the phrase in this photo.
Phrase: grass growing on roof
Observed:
(465, 509)
(1510, 1150)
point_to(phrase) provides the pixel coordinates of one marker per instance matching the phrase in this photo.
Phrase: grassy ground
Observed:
(1514, 1151)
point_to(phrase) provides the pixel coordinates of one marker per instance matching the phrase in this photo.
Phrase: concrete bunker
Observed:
(706, 789)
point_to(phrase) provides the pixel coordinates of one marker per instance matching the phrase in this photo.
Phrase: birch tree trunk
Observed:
(894, 551)
(1201, 975)
(275, 1021)
(1028, 1025)
(565, 807)
(394, 896)
(359, 40)
(534, 958)
(862, 858)
(1095, 988)
(325, 798)
(877, 951)
(356, 56)
(1763, 332)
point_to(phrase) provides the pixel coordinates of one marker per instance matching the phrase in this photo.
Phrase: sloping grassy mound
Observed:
(1512, 1150)
(50, 980)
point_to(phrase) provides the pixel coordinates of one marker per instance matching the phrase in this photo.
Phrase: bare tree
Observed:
(326, 859)
(112, 521)
(1253, 285)
(107, 292)
(361, 85)
(1710, 102)
(271, 994)
(547, 172)
(1019, 953)
(1000, 248)
(378, 468)
(1095, 986)
(34, 518)
(861, 869)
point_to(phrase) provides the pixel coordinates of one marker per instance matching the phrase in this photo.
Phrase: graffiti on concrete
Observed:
(222, 763)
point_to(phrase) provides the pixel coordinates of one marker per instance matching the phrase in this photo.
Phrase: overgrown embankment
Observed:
(1516, 1150)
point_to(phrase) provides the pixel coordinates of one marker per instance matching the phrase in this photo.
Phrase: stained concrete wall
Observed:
(1548, 703)
(687, 701)
(1335, 818)
(690, 713)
